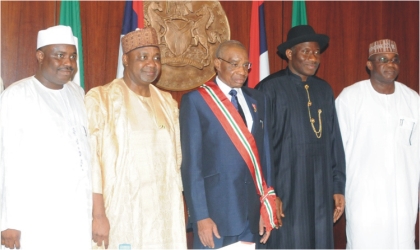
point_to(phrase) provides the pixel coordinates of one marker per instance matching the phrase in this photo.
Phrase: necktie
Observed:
(236, 104)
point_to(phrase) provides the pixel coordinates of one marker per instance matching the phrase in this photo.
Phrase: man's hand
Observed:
(279, 211)
(206, 229)
(340, 203)
(100, 231)
(10, 238)
(265, 234)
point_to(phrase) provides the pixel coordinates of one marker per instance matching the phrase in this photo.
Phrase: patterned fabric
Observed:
(246, 146)
(309, 170)
(139, 38)
(382, 46)
(136, 165)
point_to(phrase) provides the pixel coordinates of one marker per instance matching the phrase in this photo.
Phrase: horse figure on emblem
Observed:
(155, 20)
(199, 31)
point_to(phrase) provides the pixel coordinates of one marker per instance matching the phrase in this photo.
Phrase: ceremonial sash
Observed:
(244, 142)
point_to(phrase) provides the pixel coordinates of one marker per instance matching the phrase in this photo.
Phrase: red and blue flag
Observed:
(258, 52)
(133, 19)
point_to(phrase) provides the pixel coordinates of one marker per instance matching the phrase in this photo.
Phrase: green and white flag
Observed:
(299, 13)
(70, 16)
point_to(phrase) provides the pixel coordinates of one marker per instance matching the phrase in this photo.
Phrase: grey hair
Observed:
(222, 46)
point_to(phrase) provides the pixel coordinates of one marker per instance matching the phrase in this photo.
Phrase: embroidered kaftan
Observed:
(136, 165)
(308, 170)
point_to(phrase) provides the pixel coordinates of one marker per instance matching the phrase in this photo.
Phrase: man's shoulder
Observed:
(354, 89)
(76, 88)
(272, 78)
(253, 92)
(104, 90)
(165, 94)
(21, 87)
(194, 94)
(22, 83)
(407, 90)
(354, 95)
(321, 83)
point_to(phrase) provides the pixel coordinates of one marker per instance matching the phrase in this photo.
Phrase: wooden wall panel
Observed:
(351, 26)
(20, 23)
(102, 25)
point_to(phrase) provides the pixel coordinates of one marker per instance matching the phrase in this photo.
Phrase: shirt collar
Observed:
(295, 77)
(225, 88)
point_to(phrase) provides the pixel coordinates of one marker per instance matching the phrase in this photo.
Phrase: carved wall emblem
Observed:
(189, 33)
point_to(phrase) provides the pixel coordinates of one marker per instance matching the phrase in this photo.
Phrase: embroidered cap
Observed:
(382, 46)
(139, 38)
(59, 34)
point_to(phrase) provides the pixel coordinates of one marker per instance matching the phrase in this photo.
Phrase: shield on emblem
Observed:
(178, 35)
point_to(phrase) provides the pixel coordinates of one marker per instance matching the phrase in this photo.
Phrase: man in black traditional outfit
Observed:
(308, 151)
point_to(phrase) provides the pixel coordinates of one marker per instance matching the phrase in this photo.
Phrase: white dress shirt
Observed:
(241, 99)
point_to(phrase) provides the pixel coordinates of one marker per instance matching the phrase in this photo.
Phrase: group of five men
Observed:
(265, 165)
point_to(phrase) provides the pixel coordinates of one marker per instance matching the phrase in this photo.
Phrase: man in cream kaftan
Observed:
(381, 139)
(45, 157)
(136, 165)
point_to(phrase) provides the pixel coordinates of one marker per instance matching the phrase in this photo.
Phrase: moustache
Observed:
(66, 68)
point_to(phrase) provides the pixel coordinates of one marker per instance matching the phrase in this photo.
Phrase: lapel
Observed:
(252, 106)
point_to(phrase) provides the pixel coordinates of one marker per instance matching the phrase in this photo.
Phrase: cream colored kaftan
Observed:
(45, 172)
(136, 165)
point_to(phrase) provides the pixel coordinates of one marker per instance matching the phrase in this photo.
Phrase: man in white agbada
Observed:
(1, 85)
(45, 181)
(379, 122)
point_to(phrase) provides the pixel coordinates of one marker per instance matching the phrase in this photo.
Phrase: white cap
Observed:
(59, 34)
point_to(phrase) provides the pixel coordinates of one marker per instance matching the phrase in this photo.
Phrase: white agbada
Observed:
(1, 85)
(382, 145)
(45, 181)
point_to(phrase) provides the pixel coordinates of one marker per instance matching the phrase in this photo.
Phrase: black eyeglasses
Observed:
(233, 65)
(385, 60)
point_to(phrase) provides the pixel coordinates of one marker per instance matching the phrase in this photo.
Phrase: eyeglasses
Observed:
(233, 65)
(385, 60)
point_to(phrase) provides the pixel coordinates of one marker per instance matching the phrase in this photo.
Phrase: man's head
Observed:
(303, 50)
(232, 63)
(56, 55)
(141, 57)
(383, 61)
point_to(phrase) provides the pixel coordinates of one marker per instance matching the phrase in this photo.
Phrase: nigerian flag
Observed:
(299, 13)
(70, 16)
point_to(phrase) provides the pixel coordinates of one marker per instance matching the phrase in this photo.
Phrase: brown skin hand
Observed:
(340, 204)
(10, 238)
(100, 223)
(279, 213)
(206, 229)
